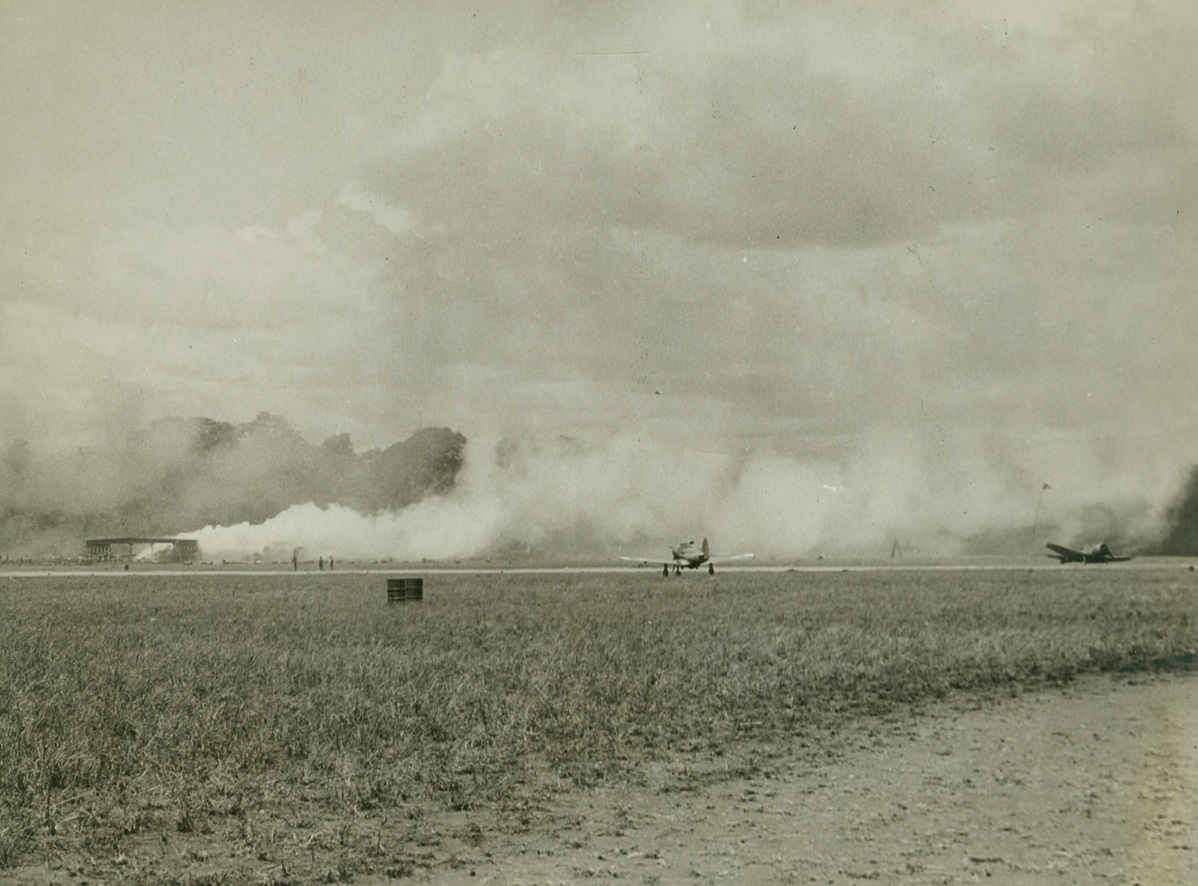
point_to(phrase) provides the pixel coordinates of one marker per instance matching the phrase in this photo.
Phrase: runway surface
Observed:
(1009, 565)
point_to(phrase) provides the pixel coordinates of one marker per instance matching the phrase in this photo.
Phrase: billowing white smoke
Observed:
(152, 553)
(434, 528)
(632, 497)
(529, 496)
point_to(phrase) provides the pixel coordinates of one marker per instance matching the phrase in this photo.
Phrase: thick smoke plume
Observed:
(260, 491)
(564, 499)
(1181, 536)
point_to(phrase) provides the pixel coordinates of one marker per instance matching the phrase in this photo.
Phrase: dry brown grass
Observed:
(215, 707)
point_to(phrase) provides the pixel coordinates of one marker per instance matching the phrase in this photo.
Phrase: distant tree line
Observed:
(178, 475)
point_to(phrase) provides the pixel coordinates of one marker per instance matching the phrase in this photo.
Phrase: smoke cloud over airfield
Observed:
(259, 490)
(564, 499)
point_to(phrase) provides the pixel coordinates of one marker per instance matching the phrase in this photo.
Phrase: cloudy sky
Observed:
(871, 237)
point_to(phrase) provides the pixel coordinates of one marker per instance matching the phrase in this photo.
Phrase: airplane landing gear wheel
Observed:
(665, 570)
(710, 569)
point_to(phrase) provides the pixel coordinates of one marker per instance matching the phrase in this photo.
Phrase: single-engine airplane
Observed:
(1099, 554)
(688, 556)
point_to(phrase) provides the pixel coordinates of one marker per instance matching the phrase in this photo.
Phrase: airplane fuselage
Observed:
(1099, 554)
(688, 555)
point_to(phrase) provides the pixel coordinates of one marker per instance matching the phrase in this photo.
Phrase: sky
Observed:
(930, 254)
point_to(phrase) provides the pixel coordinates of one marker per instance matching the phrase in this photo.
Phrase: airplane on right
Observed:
(1099, 554)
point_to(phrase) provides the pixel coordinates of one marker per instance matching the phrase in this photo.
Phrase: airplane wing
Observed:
(1062, 553)
(649, 559)
(1069, 555)
(715, 561)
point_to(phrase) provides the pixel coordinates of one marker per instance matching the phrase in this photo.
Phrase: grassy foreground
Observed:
(270, 716)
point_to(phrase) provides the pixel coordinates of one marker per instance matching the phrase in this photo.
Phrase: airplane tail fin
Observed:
(706, 550)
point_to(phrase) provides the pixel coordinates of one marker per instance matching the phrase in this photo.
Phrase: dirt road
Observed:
(1096, 782)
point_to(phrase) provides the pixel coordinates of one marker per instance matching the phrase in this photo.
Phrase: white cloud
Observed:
(300, 229)
(395, 219)
(257, 234)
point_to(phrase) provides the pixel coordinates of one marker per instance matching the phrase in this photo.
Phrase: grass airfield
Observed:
(232, 723)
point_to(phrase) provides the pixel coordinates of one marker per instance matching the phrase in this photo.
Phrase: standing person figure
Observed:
(321, 562)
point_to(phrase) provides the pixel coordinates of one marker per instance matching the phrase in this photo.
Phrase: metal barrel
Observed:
(405, 590)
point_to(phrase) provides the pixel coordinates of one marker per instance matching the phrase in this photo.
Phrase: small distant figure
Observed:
(320, 561)
(295, 561)
(330, 564)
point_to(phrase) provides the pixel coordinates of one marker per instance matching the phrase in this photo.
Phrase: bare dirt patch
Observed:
(1096, 782)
